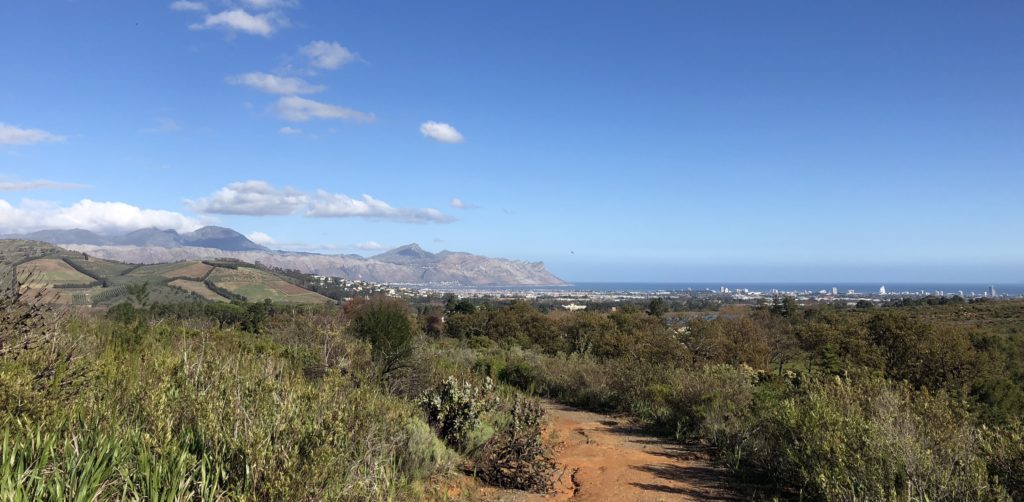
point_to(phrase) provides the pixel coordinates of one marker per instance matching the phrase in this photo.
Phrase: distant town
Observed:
(573, 299)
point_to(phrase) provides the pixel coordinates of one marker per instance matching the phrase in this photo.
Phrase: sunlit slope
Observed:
(61, 276)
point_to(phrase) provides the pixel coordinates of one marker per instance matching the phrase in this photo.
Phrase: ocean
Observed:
(1013, 290)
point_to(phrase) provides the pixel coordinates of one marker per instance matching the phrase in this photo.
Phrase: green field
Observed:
(161, 270)
(57, 276)
(99, 268)
(198, 288)
(49, 272)
(259, 285)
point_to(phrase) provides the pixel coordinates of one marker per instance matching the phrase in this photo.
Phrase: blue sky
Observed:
(616, 141)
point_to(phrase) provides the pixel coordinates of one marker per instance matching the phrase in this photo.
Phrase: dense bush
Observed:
(386, 324)
(1004, 452)
(203, 415)
(454, 409)
(213, 401)
(516, 456)
(823, 403)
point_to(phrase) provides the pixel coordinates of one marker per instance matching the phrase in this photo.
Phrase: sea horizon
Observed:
(843, 287)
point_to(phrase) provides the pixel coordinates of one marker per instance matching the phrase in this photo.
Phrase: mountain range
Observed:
(409, 264)
(221, 238)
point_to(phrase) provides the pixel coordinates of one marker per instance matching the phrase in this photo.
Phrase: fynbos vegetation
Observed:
(362, 401)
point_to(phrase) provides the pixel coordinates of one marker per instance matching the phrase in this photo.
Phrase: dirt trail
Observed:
(605, 458)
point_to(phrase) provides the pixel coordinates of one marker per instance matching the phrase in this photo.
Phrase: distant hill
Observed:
(409, 264)
(210, 237)
(69, 277)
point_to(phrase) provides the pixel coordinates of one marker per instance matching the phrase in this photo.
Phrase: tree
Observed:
(865, 304)
(785, 306)
(386, 324)
(453, 305)
(431, 320)
(657, 307)
(139, 294)
(256, 316)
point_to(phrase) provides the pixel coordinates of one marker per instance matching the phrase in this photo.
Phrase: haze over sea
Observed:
(895, 288)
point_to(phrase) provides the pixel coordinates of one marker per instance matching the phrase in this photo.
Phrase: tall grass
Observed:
(164, 412)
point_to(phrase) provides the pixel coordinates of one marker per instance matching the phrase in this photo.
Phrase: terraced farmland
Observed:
(96, 267)
(50, 272)
(60, 276)
(259, 285)
(198, 288)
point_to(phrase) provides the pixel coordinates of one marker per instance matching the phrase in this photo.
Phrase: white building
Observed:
(881, 290)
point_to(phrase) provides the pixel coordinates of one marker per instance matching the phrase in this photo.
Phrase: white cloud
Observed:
(327, 55)
(441, 132)
(15, 186)
(275, 84)
(270, 4)
(289, 130)
(260, 238)
(458, 203)
(186, 5)
(336, 205)
(89, 215)
(240, 20)
(12, 135)
(369, 246)
(298, 109)
(259, 198)
(252, 198)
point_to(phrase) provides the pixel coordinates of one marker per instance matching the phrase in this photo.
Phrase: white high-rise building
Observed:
(992, 291)
(881, 290)
(835, 291)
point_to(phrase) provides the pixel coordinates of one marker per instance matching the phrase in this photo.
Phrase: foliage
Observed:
(454, 409)
(1004, 451)
(424, 454)
(657, 307)
(848, 404)
(212, 401)
(516, 457)
(868, 439)
(385, 323)
(205, 415)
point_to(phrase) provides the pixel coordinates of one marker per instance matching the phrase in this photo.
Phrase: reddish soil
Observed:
(192, 271)
(601, 457)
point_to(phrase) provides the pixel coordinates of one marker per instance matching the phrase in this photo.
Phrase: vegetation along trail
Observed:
(602, 457)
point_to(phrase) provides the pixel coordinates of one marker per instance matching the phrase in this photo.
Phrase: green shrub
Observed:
(424, 454)
(578, 380)
(516, 456)
(386, 324)
(454, 408)
(125, 313)
(712, 403)
(868, 439)
(1004, 452)
(519, 374)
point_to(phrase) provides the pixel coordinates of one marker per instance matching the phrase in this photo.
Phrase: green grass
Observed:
(157, 270)
(169, 413)
(100, 268)
(48, 272)
(259, 285)
(50, 267)
(198, 288)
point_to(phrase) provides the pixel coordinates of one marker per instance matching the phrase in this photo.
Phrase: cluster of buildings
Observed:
(353, 288)
(578, 299)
